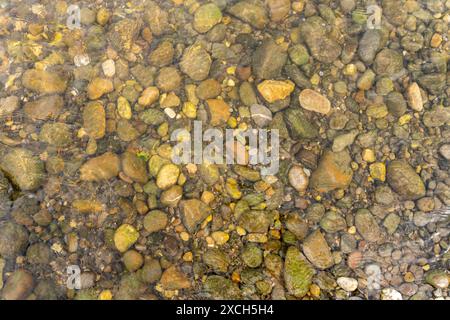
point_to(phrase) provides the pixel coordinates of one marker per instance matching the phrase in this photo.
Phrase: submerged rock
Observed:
(25, 170)
(298, 273)
(404, 180)
(333, 172)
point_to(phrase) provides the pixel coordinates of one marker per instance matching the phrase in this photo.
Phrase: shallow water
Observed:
(221, 149)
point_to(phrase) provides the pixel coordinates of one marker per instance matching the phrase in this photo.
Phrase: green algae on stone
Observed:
(125, 236)
(298, 273)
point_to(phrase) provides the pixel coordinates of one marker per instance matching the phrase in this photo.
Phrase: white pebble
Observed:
(348, 284)
(390, 294)
(81, 60)
(109, 68)
(170, 113)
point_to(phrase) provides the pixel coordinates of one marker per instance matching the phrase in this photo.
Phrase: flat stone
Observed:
(313, 101)
(193, 213)
(316, 249)
(333, 172)
(94, 120)
(415, 97)
(404, 180)
(219, 111)
(250, 12)
(273, 90)
(103, 167)
(196, 62)
(367, 226)
(24, 169)
(47, 107)
(44, 82)
(298, 273)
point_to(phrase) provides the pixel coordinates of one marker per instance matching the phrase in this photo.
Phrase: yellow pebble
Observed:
(315, 290)
(207, 197)
(315, 79)
(426, 267)
(210, 241)
(350, 69)
(220, 237)
(235, 277)
(378, 171)
(257, 237)
(231, 70)
(190, 110)
(188, 256)
(184, 236)
(241, 231)
(232, 122)
(368, 155)
(409, 277)
(105, 295)
(352, 230)
(404, 119)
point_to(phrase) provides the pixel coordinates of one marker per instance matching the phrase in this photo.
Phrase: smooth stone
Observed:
(298, 179)
(125, 236)
(13, 239)
(348, 284)
(316, 249)
(94, 120)
(167, 176)
(367, 226)
(261, 115)
(57, 134)
(251, 13)
(268, 60)
(219, 111)
(98, 87)
(155, 220)
(174, 279)
(103, 167)
(8, 105)
(134, 167)
(313, 101)
(404, 180)
(415, 97)
(206, 17)
(18, 286)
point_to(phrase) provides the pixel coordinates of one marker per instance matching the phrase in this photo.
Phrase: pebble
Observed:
(348, 284)
(404, 180)
(103, 167)
(8, 105)
(124, 108)
(268, 60)
(18, 286)
(125, 236)
(298, 179)
(174, 279)
(13, 239)
(167, 176)
(133, 260)
(316, 249)
(252, 13)
(134, 167)
(206, 17)
(43, 82)
(298, 273)
(261, 115)
(193, 213)
(333, 172)
(155, 220)
(390, 294)
(274, 90)
(219, 111)
(25, 170)
(44, 108)
(196, 62)
(98, 87)
(109, 68)
(444, 150)
(378, 171)
(149, 96)
(313, 101)
(415, 97)
(367, 226)
(94, 120)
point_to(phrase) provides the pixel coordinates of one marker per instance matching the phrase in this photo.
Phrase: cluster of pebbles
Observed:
(360, 206)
